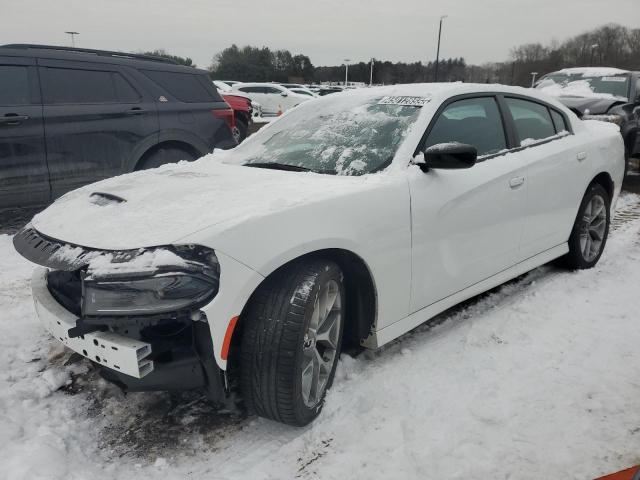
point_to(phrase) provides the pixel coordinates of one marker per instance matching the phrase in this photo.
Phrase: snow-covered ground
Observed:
(540, 379)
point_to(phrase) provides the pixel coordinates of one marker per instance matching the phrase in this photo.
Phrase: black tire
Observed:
(243, 129)
(163, 155)
(576, 258)
(274, 340)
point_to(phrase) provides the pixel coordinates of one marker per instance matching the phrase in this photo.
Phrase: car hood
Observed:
(162, 206)
(594, 105)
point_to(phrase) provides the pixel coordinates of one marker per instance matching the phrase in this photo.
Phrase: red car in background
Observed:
(241, 106)
(242, 110)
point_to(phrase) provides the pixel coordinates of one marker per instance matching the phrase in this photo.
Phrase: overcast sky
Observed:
(328, 31)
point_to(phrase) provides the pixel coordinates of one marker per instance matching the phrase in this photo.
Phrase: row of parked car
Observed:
(72, 116)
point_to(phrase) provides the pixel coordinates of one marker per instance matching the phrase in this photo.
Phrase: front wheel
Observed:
(590, 230)
(291, 341)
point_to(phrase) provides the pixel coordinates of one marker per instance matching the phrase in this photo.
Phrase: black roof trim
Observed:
(102, 53)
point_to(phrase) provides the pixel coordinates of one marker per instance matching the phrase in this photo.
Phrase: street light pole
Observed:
(346, 71)
(533, 78)
(438, 51)
(371, 74)
(73, 34)
(593, 50)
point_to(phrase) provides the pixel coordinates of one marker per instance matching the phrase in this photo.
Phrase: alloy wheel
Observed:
(320, 345)
(593, 227)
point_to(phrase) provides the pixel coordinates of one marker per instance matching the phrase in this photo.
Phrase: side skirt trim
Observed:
(393, 331)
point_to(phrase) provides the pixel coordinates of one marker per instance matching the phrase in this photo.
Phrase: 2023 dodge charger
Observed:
(350, 220)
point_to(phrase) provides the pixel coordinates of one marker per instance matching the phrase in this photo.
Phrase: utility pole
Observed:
(346, 71)
(593, 50)
(533, 78)
(73, 40)
(438, 51)
(371, 74)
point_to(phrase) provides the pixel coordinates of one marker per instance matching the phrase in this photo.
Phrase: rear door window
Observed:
(68, 86)
(14, 85)
(532, 120)
(472, 121)
(186, 87)
(558, 121)
(251, 89)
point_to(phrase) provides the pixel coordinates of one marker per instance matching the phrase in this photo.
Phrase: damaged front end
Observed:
(136, 313)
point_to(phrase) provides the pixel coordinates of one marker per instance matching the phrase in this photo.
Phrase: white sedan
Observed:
(275, 99)
(349, 221)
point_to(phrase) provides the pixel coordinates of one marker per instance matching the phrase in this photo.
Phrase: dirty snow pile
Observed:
(539, 379)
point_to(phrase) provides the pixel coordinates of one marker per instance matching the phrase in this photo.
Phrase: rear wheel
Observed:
(291, 342)
(590, 230)
(162, 155)
(242, 127)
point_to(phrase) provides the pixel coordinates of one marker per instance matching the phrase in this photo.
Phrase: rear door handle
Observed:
(136, 111)
(515, 182)
(13, 119)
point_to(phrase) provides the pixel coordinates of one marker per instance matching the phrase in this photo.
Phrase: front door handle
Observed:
(515, 182)
(136, 111)
(13, 119)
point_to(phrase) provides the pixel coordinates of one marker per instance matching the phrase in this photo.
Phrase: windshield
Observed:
(579, 85)
(344, 135)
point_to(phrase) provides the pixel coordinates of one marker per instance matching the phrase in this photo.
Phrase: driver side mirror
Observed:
(449, 156)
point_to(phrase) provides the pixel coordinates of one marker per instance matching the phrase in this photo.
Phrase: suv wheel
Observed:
(243, 128)
(163, 155)
(590, 230)
(291, 342)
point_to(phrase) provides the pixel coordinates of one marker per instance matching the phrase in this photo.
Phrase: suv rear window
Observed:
(14, 85)
(68, 85)
(186, 87)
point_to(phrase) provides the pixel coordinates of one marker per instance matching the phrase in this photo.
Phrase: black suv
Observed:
(70, 116)
(599, 93)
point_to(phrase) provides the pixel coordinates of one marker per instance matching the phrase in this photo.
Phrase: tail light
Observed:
(227, 115)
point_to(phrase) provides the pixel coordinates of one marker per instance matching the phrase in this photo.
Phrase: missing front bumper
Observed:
(116, 352)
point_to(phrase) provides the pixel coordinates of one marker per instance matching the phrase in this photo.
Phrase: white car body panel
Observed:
(429, 240)
(272, 103)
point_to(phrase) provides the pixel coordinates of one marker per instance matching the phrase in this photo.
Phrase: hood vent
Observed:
(104, 199)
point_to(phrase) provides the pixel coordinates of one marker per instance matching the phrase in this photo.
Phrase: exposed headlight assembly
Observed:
(617, 119)
(150, 281)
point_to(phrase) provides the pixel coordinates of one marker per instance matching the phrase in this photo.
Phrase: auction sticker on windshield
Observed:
(404, 101)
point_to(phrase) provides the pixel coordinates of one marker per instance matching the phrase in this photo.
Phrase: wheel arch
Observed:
(179, 144)
(360, 291)
(605, 180)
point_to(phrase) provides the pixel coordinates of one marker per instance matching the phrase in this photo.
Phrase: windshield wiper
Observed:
(278, 166)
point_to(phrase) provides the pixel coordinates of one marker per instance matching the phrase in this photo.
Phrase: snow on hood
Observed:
(576, 88)
(166, 204)
(593, 71)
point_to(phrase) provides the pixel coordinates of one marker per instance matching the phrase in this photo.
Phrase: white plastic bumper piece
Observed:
(116, 352)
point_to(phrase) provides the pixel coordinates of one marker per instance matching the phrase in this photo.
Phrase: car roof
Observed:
(591, 71)
(258, 84)
(53, 52)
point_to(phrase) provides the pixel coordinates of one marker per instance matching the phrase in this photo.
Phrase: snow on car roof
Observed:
(593, 71)
(436, 90)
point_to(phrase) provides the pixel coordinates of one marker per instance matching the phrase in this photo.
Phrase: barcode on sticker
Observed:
(614, 79)
(404, 101)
